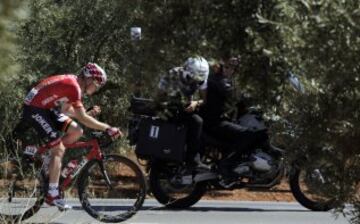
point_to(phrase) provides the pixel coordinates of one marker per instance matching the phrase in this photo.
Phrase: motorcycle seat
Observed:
(210, 140)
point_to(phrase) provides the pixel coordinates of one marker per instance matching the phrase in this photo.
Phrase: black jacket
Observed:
(219, 99)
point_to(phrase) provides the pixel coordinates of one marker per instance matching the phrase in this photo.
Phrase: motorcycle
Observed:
(176, 185)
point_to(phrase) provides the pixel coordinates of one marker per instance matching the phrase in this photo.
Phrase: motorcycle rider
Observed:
(175, 96)
(218, 113)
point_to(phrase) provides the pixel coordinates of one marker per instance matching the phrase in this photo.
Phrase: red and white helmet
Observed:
(92, 70)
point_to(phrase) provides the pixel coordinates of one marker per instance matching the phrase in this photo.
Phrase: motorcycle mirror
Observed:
(295, 82)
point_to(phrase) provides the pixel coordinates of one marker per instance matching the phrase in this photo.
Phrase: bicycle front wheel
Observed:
(114, 195)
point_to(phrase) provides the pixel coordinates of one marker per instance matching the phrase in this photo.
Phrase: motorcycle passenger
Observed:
(47, 108)
(218, 112)
(175, 96)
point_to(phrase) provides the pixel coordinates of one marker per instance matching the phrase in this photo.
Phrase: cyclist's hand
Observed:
(114, 133)
(94, 111)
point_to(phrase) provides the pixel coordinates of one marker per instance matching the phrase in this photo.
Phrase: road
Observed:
(209, 212)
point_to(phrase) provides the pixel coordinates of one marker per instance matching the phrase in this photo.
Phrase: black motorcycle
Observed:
(176, 185)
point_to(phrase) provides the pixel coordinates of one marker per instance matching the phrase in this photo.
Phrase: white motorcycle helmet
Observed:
(196, 69)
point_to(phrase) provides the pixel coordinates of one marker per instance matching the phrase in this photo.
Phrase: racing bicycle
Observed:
(111, 187)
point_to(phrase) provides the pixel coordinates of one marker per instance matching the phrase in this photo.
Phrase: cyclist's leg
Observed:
(57, 153)
(73, 133)
(47, 126)
(53, 196)
(72, 130)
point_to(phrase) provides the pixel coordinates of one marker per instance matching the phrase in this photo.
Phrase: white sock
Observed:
(53, 189)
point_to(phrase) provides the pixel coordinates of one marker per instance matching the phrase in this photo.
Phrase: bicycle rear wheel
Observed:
(21, 192)
(118, 201)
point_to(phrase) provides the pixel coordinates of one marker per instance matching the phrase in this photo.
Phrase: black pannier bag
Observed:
(142, 106)
(138, 106)
(133, 130)
(161, 140)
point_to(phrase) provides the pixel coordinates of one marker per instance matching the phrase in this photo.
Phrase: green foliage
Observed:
(10, 12)
(322, 43)
(68, 34)
(319, 40)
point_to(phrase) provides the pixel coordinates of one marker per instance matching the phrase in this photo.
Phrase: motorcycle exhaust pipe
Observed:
(200, 177)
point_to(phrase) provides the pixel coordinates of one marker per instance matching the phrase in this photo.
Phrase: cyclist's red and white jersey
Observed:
(54, 91)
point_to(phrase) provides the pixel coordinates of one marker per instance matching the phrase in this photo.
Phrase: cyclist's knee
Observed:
(75, 130)
(78, 132)
(58, 150)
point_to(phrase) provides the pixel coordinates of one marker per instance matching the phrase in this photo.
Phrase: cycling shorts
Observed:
(49, 123)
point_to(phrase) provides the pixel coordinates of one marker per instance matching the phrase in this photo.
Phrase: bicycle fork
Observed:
(104, 173)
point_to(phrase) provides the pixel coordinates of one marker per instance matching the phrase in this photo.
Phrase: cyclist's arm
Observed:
(90, 122)
(69, 111)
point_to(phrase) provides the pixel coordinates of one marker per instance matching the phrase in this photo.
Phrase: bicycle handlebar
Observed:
(103, 139)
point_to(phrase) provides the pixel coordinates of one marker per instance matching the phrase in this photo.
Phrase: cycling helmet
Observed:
(92, 70)
(197, 69)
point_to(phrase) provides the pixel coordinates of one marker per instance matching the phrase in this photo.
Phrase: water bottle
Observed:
(69, 168)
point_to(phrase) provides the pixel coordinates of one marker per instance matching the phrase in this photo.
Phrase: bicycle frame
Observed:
(95, 153)
(89, 174)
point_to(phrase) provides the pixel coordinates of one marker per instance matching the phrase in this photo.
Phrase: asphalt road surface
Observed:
(209, 212)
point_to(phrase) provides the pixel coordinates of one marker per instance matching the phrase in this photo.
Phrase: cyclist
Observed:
(177, 88)
(45, 107)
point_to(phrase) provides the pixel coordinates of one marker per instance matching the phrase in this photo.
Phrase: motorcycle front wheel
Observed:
(168, 188)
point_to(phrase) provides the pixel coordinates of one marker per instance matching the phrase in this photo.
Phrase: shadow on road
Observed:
(232, 209)
(195, 209)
